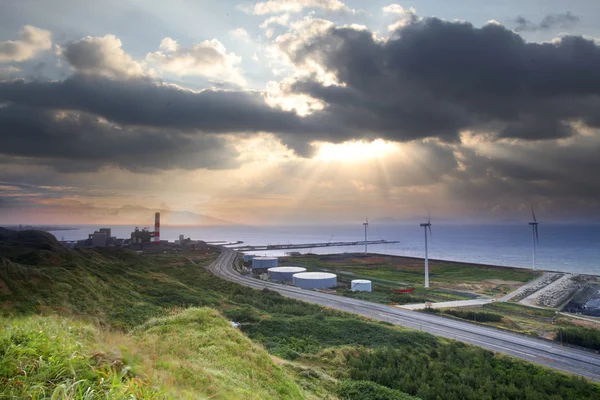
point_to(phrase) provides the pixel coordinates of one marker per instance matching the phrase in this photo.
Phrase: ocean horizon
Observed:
(565, 248)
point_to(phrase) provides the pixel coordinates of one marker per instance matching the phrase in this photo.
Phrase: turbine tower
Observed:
(535, 234)
(425, 226)
(366, 224)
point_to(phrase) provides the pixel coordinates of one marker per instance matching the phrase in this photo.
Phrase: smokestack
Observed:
(157, 228)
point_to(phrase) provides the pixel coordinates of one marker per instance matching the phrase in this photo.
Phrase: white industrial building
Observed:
(284, 273)
(314, 280)
(360, 285)
(248, 257)
(264, 262)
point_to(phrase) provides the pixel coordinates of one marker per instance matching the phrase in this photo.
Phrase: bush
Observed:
(475, 316)
(403, 298)
(584, 337)
(459, 372)
(242, 314)
(366, 390)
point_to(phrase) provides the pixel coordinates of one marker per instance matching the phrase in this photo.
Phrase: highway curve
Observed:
(550, 354)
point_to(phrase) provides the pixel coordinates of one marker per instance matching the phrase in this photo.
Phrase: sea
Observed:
(565, 248)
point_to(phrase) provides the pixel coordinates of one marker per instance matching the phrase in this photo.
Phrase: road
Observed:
(578, 362)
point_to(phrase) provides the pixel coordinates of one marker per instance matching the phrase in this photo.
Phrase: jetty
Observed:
(309, 245)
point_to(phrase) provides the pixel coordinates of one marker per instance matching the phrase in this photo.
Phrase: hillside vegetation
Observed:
(194, 353)
(155, 326)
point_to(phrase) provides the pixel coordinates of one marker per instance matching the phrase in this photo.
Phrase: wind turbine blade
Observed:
(430, 234)
(533, 214)
(537, 236)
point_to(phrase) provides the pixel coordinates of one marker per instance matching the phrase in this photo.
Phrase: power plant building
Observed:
(264, 262)
(284, 273)
(141, 236)
(360, 285)
(99, 239)
(314, 280)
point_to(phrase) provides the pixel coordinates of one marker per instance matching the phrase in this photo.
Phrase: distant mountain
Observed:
(168, 217)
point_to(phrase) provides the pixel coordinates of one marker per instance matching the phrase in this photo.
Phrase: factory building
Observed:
(360, 285)
(314, 280)
(141, 236)
(99, 239)
(284, 273)
(264, 262)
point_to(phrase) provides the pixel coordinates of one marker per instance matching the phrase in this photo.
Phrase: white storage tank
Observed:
(314, 280)
(264, 262)
(284, 273)
(248, 257)
(360, 285)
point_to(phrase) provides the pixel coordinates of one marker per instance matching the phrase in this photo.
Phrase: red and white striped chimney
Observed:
(157, 228)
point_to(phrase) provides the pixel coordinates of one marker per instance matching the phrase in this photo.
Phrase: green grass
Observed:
(197, 352)
(383, 294)
(405, 271)
(53, 357)
(194, 353)
(112, 286)
(520, 309)
(292, 336)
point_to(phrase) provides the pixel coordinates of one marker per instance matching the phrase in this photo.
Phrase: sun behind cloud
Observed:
(355, 150)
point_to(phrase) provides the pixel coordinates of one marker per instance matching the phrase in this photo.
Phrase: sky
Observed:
(299, 111)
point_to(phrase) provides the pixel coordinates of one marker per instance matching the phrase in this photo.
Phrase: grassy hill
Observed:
(155, 326)
(194, 353)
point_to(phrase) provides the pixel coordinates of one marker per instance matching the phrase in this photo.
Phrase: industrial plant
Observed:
(142, 239)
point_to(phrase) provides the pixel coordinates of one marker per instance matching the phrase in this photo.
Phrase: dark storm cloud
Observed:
(551, 21)
(146, 103)
(432, 78)
(80, 142)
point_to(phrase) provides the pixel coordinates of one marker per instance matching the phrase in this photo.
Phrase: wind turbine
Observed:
(425, 226)
(535, 234)
(366, 224)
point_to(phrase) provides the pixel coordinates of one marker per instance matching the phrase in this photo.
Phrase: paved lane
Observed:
(539, 351)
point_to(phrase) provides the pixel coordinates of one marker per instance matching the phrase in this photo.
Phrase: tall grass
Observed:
(57, 358)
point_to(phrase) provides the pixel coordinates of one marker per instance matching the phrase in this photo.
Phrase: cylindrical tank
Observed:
(314, 280)
(360, 285)
(284, 273)
(264, 262)
(248, 257)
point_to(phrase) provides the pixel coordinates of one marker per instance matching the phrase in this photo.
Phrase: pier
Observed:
(310, 245)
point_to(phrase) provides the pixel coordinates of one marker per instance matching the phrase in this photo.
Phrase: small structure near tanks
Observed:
(360, 285)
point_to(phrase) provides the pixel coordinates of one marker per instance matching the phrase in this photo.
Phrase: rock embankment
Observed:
(537, 285)
(558, 292)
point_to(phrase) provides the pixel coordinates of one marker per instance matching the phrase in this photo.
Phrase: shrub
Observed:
(584, 337)
(366, 390)
(242, 314)
(475, 316)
